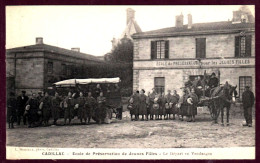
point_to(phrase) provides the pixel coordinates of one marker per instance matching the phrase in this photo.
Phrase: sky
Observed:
(91, 28)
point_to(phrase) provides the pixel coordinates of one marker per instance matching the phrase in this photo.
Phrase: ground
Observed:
(138, 134)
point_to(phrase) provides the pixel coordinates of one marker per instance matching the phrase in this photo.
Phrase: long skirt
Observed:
(183, 110)
(134, 110)
(101, 112)
(174, 109)
(32, 116)
(68, 114)
(82, 113)
(142, 109)
(89, 112)
(162, 110)
(46, 112)
(152, 110)
(191, 110)
(55, 113)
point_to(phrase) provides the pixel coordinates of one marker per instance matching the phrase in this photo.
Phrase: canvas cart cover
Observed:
(73, 82)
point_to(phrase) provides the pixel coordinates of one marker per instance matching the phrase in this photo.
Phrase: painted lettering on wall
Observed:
(216, 62)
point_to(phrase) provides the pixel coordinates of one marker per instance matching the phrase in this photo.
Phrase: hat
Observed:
(213, 73)
(23, 91)
(39, 92)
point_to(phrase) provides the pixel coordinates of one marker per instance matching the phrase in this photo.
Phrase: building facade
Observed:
(165, 59)
(36, 67)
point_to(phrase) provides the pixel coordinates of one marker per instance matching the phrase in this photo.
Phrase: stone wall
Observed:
(222, 45)
(175, 78)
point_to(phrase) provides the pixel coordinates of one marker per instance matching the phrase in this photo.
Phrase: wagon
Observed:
(113, 99)
(206, 100)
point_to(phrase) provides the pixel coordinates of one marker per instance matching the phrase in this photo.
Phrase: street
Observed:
(137, 134)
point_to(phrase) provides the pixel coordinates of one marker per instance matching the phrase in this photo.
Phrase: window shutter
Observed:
(248, 45)
(237, 38)
(153, 49)
(167, 49)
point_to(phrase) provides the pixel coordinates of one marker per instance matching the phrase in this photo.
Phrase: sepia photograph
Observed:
(130, 82)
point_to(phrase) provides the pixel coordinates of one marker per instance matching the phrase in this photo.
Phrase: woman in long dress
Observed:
(192, 105)
(143, 105)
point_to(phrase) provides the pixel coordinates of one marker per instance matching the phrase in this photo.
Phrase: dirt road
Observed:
(137, 134)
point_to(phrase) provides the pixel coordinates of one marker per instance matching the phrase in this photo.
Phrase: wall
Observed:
(29, 73)
(222, 45)
(175, 78)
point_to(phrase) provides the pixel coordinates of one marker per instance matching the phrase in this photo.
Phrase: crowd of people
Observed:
(38, 110)
(158, 106)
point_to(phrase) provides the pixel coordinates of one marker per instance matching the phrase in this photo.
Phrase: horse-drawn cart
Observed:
(113, 97)
(215, 98)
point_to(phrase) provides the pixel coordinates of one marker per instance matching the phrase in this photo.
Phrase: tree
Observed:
(123, 52)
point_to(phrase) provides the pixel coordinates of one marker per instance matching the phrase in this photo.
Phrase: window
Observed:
(243, 46)
(64, 69)
(244, 81)
(159, 84)
(50, 67)
(200, 47)
(160, 49)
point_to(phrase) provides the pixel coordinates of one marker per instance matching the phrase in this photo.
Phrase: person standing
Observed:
(21, 103)
(174, 101)
(90, 105)
(11, 110)
(82, 110)
(56, 100)
(151, 102)
(162, 110)
(182, 104)
(168, 105)
(46, 103)
(101, 108)
(135, 105)
(248, 100)
(68, 108)
(192, 105)
(32, 109)
(143, 105)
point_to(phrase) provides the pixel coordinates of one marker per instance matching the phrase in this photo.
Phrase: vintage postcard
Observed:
(130, 82)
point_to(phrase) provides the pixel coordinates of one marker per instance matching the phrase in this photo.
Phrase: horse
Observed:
(223, 97)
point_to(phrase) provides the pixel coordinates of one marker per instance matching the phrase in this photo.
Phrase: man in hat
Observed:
(213, 81)
(248, 99)
(11, 109)
(40, 96)
(21, 103)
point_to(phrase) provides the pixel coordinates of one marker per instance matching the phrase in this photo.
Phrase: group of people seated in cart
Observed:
(90, 103)
(158, 106)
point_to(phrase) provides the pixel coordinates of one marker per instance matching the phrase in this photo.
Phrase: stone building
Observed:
(166, 58)
(36, 67)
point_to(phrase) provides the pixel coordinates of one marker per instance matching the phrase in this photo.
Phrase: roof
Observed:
(196, 28)
(54, 49)
(73, 82)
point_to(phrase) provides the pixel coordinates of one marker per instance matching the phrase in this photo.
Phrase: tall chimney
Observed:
(75, 49)
(130, 15)
(179, 21)
(39, 40)
(189, 21)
